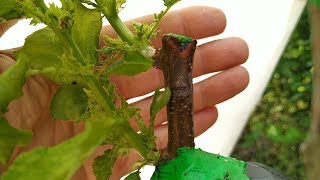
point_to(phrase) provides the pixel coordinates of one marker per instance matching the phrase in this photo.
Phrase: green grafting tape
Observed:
(196, 164)
(315, 2)
(182, 39)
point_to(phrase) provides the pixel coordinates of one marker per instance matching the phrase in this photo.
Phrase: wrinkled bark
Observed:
(311, 148)
(175, 59)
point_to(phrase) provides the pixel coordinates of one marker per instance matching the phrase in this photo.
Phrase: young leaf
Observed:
(61, 161)
(102, 166)
(110, 7)
(11, 137)
(132, 63)
(9, 10)
(160, 100)
(170, 3)
(42, 48)
(11, 82)
(133, 176)
(85, 31)
(69, 103)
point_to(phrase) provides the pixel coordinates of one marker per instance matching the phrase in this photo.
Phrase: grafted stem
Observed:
(175, 59)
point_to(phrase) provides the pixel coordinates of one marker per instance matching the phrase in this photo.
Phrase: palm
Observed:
(32, 111)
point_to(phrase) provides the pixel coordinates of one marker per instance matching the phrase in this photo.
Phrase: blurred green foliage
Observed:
(280, 123)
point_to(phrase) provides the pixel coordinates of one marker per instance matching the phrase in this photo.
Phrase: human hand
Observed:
(32, 110)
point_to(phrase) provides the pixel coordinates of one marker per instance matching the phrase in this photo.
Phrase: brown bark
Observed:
(311, 148)
(175, 59)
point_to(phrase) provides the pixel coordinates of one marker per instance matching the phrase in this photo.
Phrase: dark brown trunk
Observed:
(175, 59)
(311, 148)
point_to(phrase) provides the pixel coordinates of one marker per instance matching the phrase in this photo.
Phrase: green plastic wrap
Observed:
(196, 164)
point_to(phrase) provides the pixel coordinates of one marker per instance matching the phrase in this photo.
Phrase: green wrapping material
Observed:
(196, 164)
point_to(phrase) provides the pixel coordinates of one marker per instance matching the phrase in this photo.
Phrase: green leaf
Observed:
(133, 176)
(132, 64)
(160, 100)
(69, 103)
(170, 3)
(316, 2)
(197, 164)
(42, 48)
(61, 161)
(11, 82)
(11, 137)
(9, 10)
(86, 30)
(103, 164)
(110, 7)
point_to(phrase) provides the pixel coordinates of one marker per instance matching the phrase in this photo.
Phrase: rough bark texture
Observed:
(175, 59)
(311, 148)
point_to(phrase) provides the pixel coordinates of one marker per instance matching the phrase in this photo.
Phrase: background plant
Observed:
(280, 123)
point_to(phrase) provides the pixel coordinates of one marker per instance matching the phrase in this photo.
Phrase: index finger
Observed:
(196, 22)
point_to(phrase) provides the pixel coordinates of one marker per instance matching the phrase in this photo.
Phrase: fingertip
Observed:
(243, 78)
(243, 52)
(216, 18)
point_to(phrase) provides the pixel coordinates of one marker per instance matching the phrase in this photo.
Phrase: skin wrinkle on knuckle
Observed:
(240, 73)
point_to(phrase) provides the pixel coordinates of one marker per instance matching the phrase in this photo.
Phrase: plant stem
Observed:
(136, 142)
(103, 98)
(157, 21)
(121, 29)
(77, 52)
(133, 139)
(175, 60)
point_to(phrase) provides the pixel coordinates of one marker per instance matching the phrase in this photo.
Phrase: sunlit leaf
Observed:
(61, 161)
(10, 138)
(11, 82)
(42, 48)
(9, 10)
(86, 30)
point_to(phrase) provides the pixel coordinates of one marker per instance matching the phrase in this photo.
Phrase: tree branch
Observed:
(311, 148)
(175, 59)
